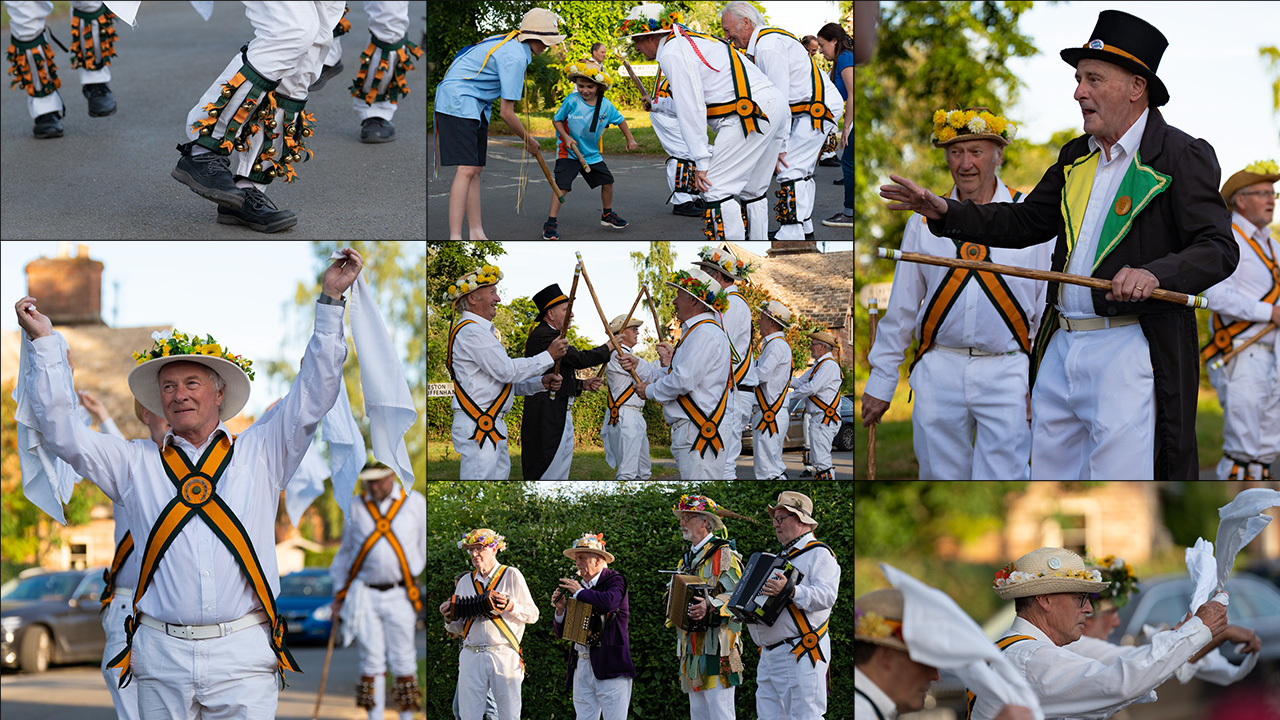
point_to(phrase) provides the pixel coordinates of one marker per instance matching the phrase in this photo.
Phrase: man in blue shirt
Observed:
(478, 75)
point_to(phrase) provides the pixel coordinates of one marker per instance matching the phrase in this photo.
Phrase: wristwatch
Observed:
(326, 300)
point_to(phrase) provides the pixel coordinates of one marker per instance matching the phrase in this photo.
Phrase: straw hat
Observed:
(1261, 171)
(483, 537)
(796, 504)
(877, 618)
(1130, 42)
(589, 544)
(702, 287)
(777, 312)
(1044, 572)
(975, 123)
(168, 348)
(472, 281)
(826, 337)
(541, 24)
(588, 70)
(615, 325)
(649, 18)
(724, 260)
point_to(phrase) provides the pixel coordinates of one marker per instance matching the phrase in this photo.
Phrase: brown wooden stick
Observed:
(1195, 301)
(324, 674)
(662, 336)
(612, 340)
(547, 172)
(600, 372)
(639, 85)
(564, 326)
(873, 318)
(1226, 357)
(577, 152)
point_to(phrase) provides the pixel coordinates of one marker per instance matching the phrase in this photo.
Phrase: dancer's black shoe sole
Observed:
(224, 198)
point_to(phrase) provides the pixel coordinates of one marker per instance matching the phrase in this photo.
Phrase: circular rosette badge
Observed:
(196, 490)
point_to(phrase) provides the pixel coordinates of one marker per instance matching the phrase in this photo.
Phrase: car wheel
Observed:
(34, 654)
(844, 439)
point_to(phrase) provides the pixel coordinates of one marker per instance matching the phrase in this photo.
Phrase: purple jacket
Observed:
(613, 658)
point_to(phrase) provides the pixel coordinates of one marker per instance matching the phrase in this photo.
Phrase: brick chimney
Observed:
(67, 289)
(791, 247)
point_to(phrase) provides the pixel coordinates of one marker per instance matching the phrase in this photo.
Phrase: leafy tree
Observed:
(653, 270)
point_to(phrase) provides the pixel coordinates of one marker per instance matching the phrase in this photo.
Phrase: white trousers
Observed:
(737, 410)
(389, 645)
(487, 463)
(388, 21)
(1093, 407)
(970, 416)
(124, 699)
(26, 21)
(1249, 392)
(626, 445)
(742, 167)
(559, 467)
(802, 157)
(790, 690)
(497, 669)
(766, 448)
(820, 439)
(713, 704)
(692, 464)
(227, 678)
(593, 698)
(668, 131)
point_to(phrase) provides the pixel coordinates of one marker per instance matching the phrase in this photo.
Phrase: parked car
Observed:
(794, 439)
(306, 603)
(52, 618)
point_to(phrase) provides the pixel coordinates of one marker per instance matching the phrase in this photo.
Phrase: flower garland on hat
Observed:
(1123, 582)
(168, 344)
(724, 260)
(485, 537)
(1263, 167)
(875, 625)
(667, 19)
(950, 124)
(474, 280)
(1007, 576)
(717, 299)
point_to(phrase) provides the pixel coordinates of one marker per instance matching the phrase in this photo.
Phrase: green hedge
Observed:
(588, 415)
(644, 536)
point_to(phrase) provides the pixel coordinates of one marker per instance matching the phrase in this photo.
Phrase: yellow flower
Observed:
(940, 117)
(945, 134)
(164, 350)
(1263, 167)
(957, 119)
(210, 349)
(453, 289)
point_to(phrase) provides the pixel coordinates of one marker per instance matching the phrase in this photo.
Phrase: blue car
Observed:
(306, 602)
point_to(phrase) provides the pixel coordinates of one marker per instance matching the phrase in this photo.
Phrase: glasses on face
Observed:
(1084, 597)
(1263, 193)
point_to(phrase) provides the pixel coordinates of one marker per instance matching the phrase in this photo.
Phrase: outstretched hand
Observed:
(909, 196)
(36, 325)
(344, 270)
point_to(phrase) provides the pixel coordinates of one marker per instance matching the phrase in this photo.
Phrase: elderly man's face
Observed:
(973, 165)
(589, 564)
(647, 45)
(910, 680)
(787, 526)
(482, 557)
(484, 302)
(1100, 624)
(555, 315)
(1105, 92)
(188, 396)
(738, 29)
(1067, 615)
(381, 487)
(693, 526)
(1256, 202)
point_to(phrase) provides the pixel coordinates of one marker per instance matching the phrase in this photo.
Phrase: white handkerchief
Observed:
(346, 448)
(1240, 521)
(307, 483)
(47, 480)
(942, 635)
(1200, 564)
(387, 401)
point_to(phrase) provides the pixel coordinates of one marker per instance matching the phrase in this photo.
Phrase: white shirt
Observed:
(620, 379)
(198, 582)
(863, 710)
(520, 611)
(973, 320)
(482, 366)
(694, 86)
(1074, 686)
(699, 369)
(129, 571)
(826, 385)
(815, 595)
(1076, 301)
(736, 322)
(1236, 298)
(774, 365)
(381, 566)
(787, 65)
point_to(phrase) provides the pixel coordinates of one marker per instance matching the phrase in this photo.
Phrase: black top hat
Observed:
(1130, 42)
(547, 298)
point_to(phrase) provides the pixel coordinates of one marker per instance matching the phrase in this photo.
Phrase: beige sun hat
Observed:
(1047, 571)
(777, 312)
(826, 337)
(797, 504)
(589, 543)
(541, 24)
(1258, 172)
(878, 618)
(170, 347)
(615, 325)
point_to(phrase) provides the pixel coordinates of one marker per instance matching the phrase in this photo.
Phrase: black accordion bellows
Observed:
(472, 605)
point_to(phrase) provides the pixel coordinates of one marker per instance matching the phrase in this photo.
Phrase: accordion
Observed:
(582, 622)
(461, 608)
(685, 590)
(747, 604)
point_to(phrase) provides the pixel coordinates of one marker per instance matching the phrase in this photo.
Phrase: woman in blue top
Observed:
(837, 47)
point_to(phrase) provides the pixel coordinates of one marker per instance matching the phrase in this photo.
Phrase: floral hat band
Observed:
(589, 70)
(649, 18)
(1122, 583)
(877, 618)
(176, 346)
(483, 537)
(701, 287)
(977, 123)
(167, 344)
(472, 281)
(589, 543)
(724, 260)
(1046, 571)
(1257, 172)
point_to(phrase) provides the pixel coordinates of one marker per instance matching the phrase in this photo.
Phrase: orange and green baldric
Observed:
(708, 424)
(1223, 335)
(111, 574)
(769, 410)
(830, 410)
(816, 108)
(742, 105)
(382, 529)
(486, 420)
(740, 363)
(197, 496)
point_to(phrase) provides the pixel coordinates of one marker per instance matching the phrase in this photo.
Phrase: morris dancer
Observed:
(774, 370)
(624, 432)
(820, 385)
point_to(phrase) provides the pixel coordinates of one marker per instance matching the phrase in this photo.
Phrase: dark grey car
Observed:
(794, 439)
(52, 617)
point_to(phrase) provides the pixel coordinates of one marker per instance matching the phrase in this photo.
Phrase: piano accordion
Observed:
(462, 608)
(582, 622)
(747, 604)
(685, 590)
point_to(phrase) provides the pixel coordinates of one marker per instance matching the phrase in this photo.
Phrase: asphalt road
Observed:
(79, 692)
(639, 193)
(841, 461)
(109, 177)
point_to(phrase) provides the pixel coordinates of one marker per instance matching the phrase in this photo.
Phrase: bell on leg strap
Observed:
(89, 49)
(281, 149)
(244, 114)
(785, 208)
(34, 53)
(713, 220)
(397, 87)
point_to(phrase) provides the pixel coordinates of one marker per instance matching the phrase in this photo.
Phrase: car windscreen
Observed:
(306, 586)
(51, 586)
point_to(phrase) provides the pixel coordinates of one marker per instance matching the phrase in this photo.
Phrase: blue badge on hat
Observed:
(1096, 45)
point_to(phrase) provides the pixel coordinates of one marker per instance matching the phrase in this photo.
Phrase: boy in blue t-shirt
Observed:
(579, 122)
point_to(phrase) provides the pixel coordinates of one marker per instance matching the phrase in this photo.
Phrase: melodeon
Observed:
(461, 608)
(582, 622)
(747, 604)
(685, 590)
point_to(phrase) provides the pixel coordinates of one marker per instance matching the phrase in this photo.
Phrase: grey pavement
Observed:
(842, 462)
(109, 178)
(639, 193)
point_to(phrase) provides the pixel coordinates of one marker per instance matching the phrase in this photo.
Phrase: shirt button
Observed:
(208, 607)
(206, 573)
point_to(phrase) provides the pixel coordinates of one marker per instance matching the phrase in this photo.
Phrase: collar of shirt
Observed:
(751, 43)
(824, 356)
(1259, 234)
(1022, 626)
(694, 550)
(193, 452)
(1002, 193)
(1128, 142)
(708, 315)
(468, 315)
(771, 336)
(887, 707)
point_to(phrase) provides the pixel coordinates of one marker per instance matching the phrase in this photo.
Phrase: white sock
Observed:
(199, 150)
(245, 183)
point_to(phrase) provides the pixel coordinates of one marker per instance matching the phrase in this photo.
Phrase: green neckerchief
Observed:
(1137, 188)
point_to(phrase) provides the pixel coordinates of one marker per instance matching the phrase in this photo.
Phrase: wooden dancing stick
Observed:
(568, 313)
(1194, 301)
(1226, 357)
(324, 674)
(639, 85)
(632, 311)
(612, 340)
(662, 336)
(546, 171)
(581, 159)
(873, 318)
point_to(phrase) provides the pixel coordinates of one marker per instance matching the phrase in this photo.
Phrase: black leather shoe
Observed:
(327, 73)
(47, 126)
(258, 213)
(687, 209)
(377, 130)
(209, 176)
(101, 101)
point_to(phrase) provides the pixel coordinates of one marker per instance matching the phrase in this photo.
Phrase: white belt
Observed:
(1099, 323)
(205, 632)
(974, 352)
(124, 593)
(481, 648)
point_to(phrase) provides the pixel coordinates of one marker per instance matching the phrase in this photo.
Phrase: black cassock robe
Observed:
(543, 420)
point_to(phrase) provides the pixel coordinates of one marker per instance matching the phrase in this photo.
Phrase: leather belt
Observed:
(383, 587)
(204, 632)
(1086, 324)
(974, 352)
